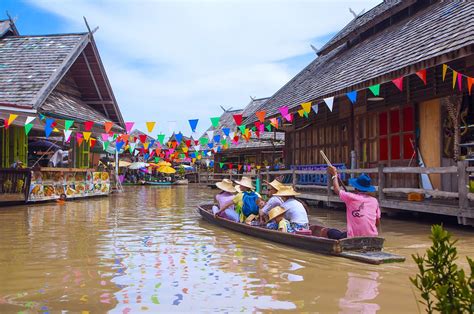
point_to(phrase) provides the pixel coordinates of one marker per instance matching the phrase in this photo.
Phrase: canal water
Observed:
(147, 250)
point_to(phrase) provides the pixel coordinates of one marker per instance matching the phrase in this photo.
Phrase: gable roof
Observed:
(253, 106)
(7, 28)
(415, 43)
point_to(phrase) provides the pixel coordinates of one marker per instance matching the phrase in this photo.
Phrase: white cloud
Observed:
(178, 60)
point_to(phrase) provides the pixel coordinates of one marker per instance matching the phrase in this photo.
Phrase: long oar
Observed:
(330, 164)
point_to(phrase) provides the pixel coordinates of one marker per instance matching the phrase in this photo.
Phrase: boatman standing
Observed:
(363, 211)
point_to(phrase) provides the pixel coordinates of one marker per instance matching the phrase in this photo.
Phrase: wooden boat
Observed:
(158, 183)
(182, 182)
(364, 249)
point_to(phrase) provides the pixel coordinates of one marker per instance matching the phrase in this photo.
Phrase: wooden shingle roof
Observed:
(413, 44)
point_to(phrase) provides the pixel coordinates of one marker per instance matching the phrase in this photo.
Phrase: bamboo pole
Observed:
(326, 159)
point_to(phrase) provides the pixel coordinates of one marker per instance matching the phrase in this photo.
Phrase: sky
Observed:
(179, 60)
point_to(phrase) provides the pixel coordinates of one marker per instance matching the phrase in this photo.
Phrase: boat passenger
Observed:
(277, 214)
(363, 211)
(296, 213)
(273, 201)
(226, 196)
(246, 199)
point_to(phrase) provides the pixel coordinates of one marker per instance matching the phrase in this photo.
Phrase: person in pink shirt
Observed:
(363, 211)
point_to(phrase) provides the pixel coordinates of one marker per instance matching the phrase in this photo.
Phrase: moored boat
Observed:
(182, 182)
(158, 183)
(364, 249)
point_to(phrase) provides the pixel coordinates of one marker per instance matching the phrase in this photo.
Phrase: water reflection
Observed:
(148, 250)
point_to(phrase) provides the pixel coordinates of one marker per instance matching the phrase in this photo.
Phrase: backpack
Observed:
(250, 203)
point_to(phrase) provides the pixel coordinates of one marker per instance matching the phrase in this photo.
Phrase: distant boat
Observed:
(158, 183)
(182, 182)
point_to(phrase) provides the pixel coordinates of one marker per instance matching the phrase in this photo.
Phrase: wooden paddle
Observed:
(330, 164)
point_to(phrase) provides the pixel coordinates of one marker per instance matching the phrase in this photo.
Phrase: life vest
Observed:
(249, 203)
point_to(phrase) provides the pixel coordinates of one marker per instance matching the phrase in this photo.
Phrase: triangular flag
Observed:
(445, 68)
(150, 126)
(470, 81)
(460, 82)
(105, 145)
(306, 114)
(217, 138)
(289, 117)
(352, 96)
(210, 134)
(161, 139)
(105, 137)
(131, 147)
(178, 137)
(283, 111)
(315, 108)
(261, 115)
(306, 106)
(193, 124)
(221, 164)
(68, 124)
(129, 126)
(42, 117)
(375, 89)
(242, 128)
(86, 135)
(215, 121)
(11, 118)
(269, 127)
(145, 145)
(28, 128)
(142, 138)
(93, 141)
(48, 128)
(455, 76)
(29, 120)
(274, 122)
(88, 125)
(226, 131)
(301, 112)
(79, 139)
(329, 102)
(119, 145)
(238, 119)
(422, 75)
(108, 126)
(197, 148)
(203, 141)
(398, 83)
(67, 135)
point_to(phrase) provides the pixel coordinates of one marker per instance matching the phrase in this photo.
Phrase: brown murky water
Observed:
(147, 250)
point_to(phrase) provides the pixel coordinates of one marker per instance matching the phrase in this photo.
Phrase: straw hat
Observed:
(275, 212)
(226, 185)
(286, 191)
(277, 185)
(247, 182)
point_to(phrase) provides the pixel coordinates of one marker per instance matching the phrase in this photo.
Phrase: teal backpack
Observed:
(250, 203)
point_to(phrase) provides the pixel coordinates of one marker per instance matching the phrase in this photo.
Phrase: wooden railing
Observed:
(14, 184)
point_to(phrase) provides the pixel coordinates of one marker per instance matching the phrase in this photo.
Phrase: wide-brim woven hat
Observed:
(362, 183)
(247, 182)
(277, 185)
(275, 212)
(226, 185)
(286, 191)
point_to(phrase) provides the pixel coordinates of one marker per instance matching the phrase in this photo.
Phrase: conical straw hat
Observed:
(226, 185)
(247, 182)
(277, 185)
(286, 191)
(275, 212)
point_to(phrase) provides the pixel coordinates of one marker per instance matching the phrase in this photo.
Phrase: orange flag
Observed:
(108, 126)
(455, 76)
(422, 75)
(445, 68)
(470, 81)
(261, 115)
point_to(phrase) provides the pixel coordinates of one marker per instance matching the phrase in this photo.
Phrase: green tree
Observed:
(444, 287)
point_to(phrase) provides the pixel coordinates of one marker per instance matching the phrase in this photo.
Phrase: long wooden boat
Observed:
(158, 183)
(364, 249)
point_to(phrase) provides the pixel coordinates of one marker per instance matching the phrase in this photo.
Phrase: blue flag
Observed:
(217, 138)
(178, 137)
(48, 128)
(119, 145)
(193, 124)
(226, 131)
(352, 96)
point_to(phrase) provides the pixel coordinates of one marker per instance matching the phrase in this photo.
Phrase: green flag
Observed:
(269, 127)
(223, 141)
(306, 114)
(375, 89)
(68, 124)
(203, 141)
(28, 128)
(242, 128)
(161, 139)
(105, 145)
(157, 159)
(215, 122)
(221, 164)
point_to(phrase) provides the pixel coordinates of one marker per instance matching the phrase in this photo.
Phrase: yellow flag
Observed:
(455, 76)
(301, 112)
(306, 106)
(55, 130)
(185, 149)
(86, 135)
(199, 157)
(150, 126)
(445, 68)
(145, 145)
(12, 118)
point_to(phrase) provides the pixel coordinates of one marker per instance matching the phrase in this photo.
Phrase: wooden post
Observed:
(462, 185)
(259, 181)
(294, 181)
(381, 182)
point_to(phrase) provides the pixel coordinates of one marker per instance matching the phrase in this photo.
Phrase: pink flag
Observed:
(283, 110)
(129, 126)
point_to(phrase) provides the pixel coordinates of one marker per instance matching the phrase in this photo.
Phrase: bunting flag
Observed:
(289, 117)
(226, 131)
(459, 82)
(445, 68)
(422, 75)
(105, 145)
(93, 141)
(197, 147)
(79, 139)
(352, 96)
(10, 120)
(129, 126)
(242, 128)
(105, 137)
(398, 83)
(238, 119)
(131, 147)
(142, 138)
(215, 121)
(261, 115)
(269, 127)
(88, 125)
(145, 145)
(221, 164)
(274, 122)
(193, 124)
(455, 76)
(67, 135)
(375, 89)
(28, 128)
(86, 135)
(188, 143)
(210, 134)
(29, 119)
(470, 81)
(203, 141)
(283, 111)
(306, 106)
(68, 124)
(108, 126)
(119, 145)
(301, 113)
(48, 128)
(150, 126)
(217, 138)
(161, 139)
(178, 137)
(315, 108)
(329, 102)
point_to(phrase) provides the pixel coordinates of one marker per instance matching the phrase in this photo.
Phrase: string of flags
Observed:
(179, 147)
